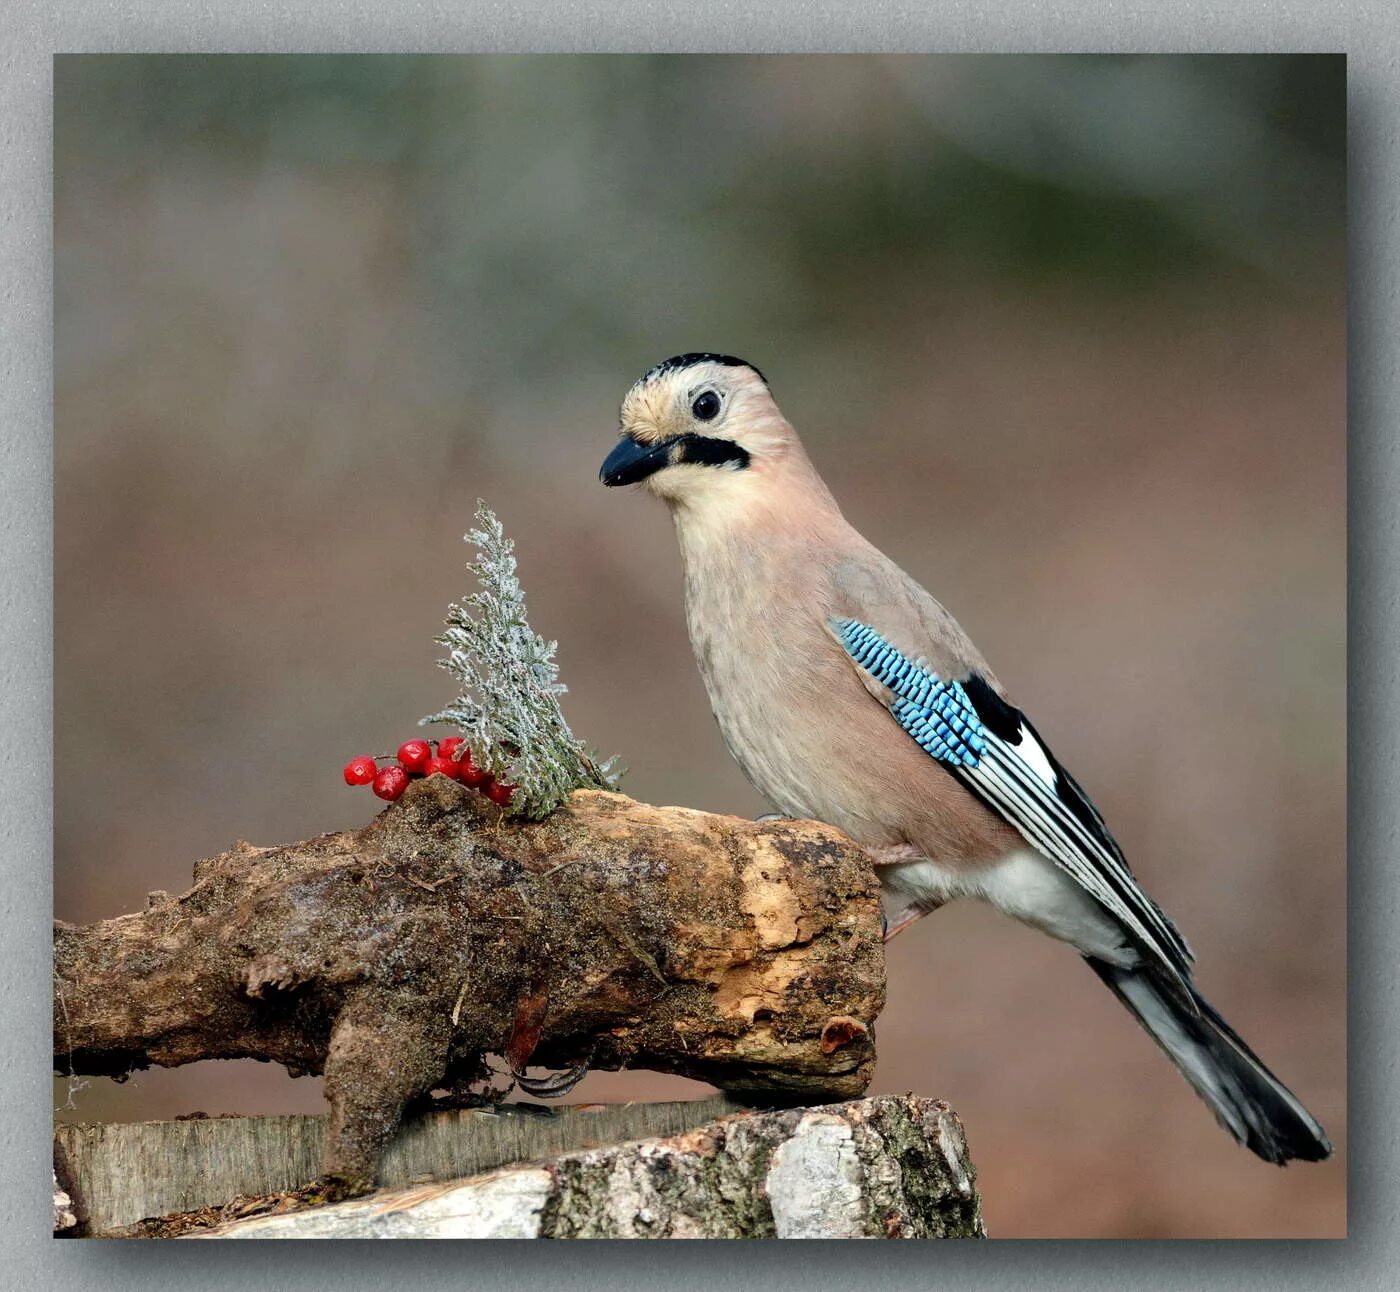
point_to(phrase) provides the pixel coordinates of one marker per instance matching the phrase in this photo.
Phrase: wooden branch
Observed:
(393, 959)
(894, 1167)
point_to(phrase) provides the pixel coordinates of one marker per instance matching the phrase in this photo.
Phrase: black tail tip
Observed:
(1301, 1143)
(1249, 1102)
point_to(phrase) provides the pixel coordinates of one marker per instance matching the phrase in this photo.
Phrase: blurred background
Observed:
(1066, 336)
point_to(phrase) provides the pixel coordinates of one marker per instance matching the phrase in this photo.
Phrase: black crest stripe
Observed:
(679, 361)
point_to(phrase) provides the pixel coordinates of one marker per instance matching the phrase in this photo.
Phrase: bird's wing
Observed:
(991, 747)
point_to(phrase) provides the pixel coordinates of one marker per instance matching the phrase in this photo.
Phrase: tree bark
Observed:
(873, 1168)
(65, 1219)
(393, 959)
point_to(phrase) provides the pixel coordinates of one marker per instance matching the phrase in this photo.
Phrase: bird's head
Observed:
(698, 428)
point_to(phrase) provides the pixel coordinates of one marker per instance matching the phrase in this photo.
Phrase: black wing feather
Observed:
(1008, 724)
(989, 747)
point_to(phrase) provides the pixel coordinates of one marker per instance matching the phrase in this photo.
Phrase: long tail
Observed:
(1246, 1098)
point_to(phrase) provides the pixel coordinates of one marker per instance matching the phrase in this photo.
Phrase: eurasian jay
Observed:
(848, 695)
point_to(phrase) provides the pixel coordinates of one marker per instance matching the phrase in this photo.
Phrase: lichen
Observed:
(507, 706)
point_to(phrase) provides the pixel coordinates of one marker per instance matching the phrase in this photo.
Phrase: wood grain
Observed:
(126, 1172)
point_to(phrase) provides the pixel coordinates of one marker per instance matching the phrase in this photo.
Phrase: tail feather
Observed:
(1246, 1098)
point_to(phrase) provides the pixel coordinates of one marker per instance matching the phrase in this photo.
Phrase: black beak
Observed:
(631, 462)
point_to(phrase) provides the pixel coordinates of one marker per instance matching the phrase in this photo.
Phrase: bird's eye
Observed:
(706, 406)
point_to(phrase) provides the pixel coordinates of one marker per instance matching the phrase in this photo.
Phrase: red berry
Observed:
(469, 773)
(360, 771)
(414, 753)
(390, 782)
(500, 793)
(447, 766)
(448, 748)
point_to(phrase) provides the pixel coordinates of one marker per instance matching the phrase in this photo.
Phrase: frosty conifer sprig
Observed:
(507, 708)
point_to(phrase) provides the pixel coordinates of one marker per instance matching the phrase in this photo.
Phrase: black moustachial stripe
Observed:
(678, 361)
(710, 451)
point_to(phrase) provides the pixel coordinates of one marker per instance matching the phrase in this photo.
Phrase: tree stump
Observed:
(892, 1167)
(123, 1173)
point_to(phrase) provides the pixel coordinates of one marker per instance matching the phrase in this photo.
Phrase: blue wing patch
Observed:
(939, 715)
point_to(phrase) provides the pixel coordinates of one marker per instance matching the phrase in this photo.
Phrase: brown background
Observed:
(1066, 337)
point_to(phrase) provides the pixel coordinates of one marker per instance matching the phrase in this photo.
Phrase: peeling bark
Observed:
(395, 958)
(872, 1168)
(64, 1217)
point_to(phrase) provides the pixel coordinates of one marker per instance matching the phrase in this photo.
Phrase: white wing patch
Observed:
(1016, 788)
(1035, 757)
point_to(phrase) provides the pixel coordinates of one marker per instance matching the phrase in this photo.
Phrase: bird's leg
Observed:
(899, 907)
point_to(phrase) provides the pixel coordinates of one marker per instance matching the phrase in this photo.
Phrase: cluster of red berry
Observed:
(416, 758)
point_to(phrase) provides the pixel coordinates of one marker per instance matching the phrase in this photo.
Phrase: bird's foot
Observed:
(893, 930)
(908, 915)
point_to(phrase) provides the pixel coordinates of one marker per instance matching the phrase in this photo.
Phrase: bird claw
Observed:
(908, 916)
(554, 1085)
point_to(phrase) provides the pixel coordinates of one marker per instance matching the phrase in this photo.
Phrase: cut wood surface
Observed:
(125, 1172)
(894, 1167)
(393, 959)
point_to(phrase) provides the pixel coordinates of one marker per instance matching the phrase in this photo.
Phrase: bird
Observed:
(847, 694)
